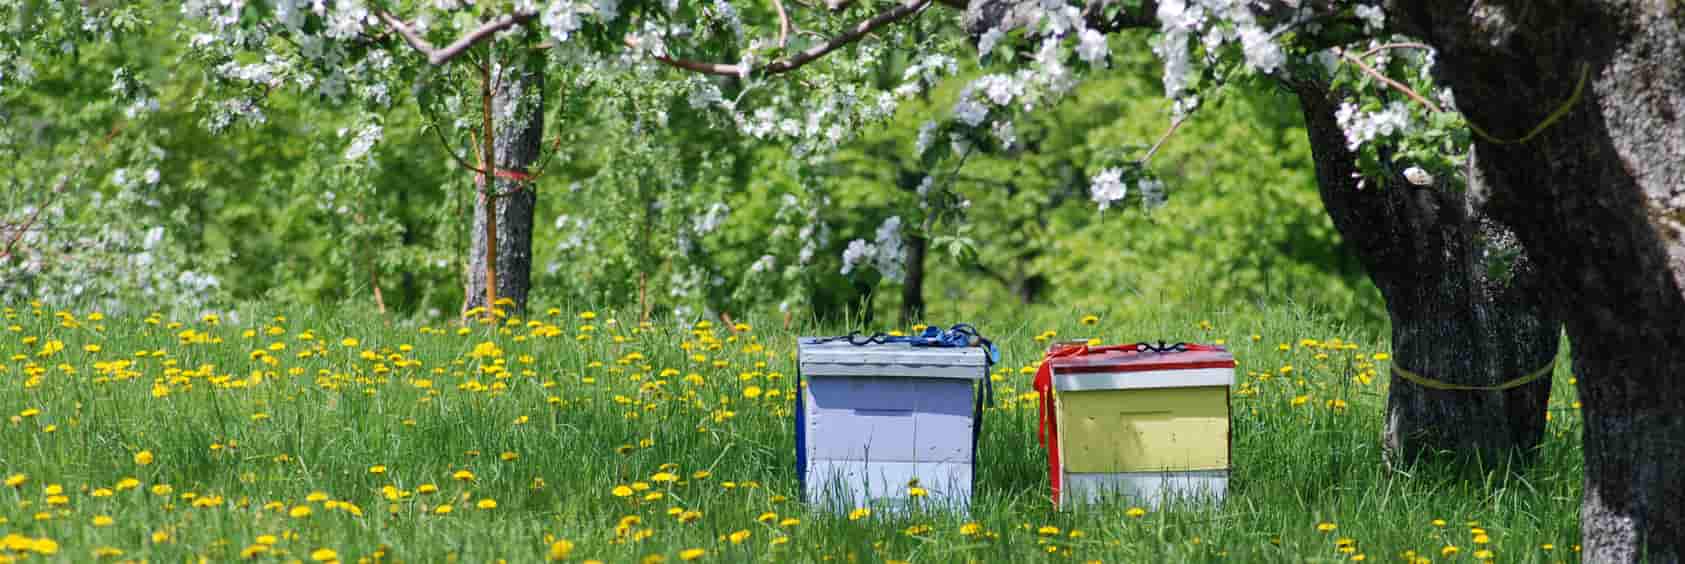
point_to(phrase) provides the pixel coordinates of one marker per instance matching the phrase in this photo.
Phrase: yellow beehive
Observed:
(1131, 421)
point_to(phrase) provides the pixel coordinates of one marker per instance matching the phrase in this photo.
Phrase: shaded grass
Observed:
(267, 430)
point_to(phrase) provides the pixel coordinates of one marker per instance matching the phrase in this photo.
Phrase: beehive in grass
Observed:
(1142, 422)
(883, 423)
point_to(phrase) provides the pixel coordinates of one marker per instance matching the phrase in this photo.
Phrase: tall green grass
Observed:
(581, 412)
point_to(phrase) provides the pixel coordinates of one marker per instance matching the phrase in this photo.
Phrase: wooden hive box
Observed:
(876, 418)
(1141, 424)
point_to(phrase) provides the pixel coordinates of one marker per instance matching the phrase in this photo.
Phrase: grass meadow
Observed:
(577, 435)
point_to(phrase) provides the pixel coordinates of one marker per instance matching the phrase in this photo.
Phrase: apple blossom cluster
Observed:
(886, 254)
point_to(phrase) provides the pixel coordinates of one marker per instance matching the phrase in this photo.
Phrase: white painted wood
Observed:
(1181, 378)
(883, 486)
(1147, 489)
(838, 358)
(865, 419)
(942, 421)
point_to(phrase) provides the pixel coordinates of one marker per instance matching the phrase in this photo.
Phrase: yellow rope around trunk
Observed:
(1427, 382)
(1562, 110)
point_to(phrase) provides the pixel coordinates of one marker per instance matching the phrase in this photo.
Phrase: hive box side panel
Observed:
(868, 419)
(1145, 488)
(842, 484)
(1144, 430)
(943, 420)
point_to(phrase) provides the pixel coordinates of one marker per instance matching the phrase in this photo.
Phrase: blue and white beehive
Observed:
(876, 419)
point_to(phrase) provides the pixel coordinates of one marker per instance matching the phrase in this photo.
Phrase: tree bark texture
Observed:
(518, 107)
(912, 287)
(1597, 195)
(1465, 302)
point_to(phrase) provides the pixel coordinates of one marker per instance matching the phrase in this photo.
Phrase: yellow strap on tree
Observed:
(1562, 110)
(1427, 382)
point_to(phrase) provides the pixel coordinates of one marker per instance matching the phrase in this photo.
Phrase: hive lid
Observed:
(840, 358)
(1125, 369)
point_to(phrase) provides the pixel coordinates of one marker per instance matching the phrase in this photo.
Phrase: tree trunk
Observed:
(518, 107)
(1582, 106)
(1465, 303)
(912, 287)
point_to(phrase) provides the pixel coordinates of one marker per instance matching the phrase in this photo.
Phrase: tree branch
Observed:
(439, 56)
(801, 58)
(1174, 125)
(783, 24)
(1390, 82)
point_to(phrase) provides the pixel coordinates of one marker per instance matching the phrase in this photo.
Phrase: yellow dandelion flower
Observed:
(426, 489)
(324, 555)
(143, 458)
(442, 509)
(1326, 527)
(621, 491)
(1135, 513)
(377, 469)
(486, 503)
(739, 536)
(16, 480)
(561, 549)
(102, 521)
(1047, 530)
(690, 554)
(299, 511)
(463, 476)
(859, 513)
(1449, 550)
(1090, 319)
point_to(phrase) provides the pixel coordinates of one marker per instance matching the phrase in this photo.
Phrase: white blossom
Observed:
(970, 112)
(986, 43)
(927, 135)
(1373, 18)
(858, 252)
(711, 219)
(1417, 176)
(1092, 47)
(363, 142)
(150, 176)
(1361, 127)
(1107, 187)
(891, 253)
(1262, 52)
(1002, 130)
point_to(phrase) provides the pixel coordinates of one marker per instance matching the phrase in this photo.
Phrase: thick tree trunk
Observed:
(1594, 185)
(1465, 303)
(518, 106)
(912, 287)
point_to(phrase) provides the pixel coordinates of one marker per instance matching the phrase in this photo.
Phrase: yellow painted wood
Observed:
(1144, 430)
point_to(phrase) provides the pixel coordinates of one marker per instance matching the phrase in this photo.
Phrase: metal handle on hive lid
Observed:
(1161, 348)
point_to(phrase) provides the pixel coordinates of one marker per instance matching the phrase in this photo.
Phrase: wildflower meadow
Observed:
(589, 436)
